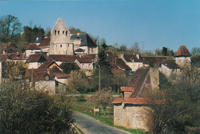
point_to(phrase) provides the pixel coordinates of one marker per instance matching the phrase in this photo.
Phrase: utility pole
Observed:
(142, 46)
(99, 79)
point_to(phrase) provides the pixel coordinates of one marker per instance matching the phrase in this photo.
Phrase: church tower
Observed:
(60, 39)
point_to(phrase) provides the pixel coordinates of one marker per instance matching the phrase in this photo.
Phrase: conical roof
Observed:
(182, 51)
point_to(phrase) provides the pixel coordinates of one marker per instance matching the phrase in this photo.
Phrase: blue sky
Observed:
(159, 23)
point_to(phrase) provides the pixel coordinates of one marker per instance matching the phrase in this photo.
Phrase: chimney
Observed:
(80, 55)
(37, 38)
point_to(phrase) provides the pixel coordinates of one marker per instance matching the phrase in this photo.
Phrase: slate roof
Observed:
(182, 51)
(63, 58)
(33, 46)
(36, 58)
(45, 42)
(85, 39)
(79, 50)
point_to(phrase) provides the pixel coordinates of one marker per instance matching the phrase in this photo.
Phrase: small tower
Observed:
(182, 56)
(60, 39)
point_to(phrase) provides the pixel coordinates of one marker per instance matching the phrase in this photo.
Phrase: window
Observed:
(61, 45)
(82, 65)
(58, 32)
(63, 32)
(55, 32)
(66, 33)
(68, 45)
(89, 66)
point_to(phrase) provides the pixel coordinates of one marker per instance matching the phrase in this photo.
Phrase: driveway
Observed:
(92, 126)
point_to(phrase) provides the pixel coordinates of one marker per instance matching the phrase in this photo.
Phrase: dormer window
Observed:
(55, 32)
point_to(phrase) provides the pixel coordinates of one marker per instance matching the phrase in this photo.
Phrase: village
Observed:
(73, 63)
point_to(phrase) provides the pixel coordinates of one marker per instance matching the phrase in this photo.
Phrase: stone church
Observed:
(62, 42)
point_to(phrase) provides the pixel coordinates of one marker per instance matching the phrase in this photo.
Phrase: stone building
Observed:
(182, 56)
(131, 107)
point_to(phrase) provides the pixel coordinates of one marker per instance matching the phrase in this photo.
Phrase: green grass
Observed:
(79, 130)
(105, 119)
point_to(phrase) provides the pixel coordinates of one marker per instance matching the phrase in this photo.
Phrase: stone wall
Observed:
(130, 116)
(154, 77)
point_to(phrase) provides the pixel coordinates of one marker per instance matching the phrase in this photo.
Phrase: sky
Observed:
(157, 23)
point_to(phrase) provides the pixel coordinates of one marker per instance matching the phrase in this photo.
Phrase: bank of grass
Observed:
(105, 119)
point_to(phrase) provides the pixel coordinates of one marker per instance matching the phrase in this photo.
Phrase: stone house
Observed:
(59, 59)
(35, 60)
(83, 44)
(132, 106)
(63, 78)
(134, 61)
(32, 48)
(170, 68)
(86, 65)
(45, 45)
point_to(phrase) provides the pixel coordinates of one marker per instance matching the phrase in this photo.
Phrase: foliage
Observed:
(68, 67)
(119, 80)
(195, 59)
(180, 104)
(103, 99)
(195, 50)
(10, 29)
(14, 70)
(25, 111)
(75, 30)
(78, 81)
(29, 36)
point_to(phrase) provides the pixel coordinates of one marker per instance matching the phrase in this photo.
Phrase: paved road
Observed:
(92, 126)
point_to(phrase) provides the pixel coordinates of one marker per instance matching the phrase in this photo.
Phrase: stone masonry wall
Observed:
(134, 117)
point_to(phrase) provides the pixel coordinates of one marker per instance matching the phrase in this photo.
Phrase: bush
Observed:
(192, 130)
(25, 111)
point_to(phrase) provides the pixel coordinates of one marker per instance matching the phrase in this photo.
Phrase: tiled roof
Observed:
(12, 56)
(154, 59)
(46, 64)
(91, 56)
(182, 51)
(171, 64)
(43, 76)
(131, 57)
(36, 58)
(55, 70)
(45, 42)
(118, 100)
(85, 60)
(63, 58)
(63, 75)
(134, 86)
(34, 71)
(137, 80)
(15, 56)
(3, 57)
(120, 63)
(33, 46)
